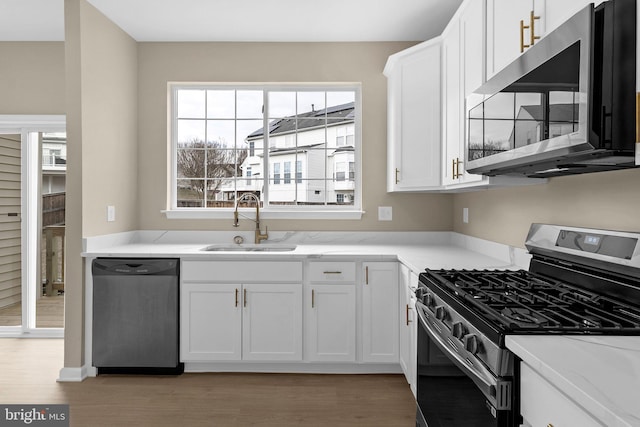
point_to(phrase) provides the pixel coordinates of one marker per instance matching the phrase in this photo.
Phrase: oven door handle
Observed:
(481, 376)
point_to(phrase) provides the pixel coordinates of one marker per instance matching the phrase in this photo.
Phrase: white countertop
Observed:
(417, 250)
(600, 373)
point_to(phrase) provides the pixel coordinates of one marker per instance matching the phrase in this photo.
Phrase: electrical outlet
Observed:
(465, 215)
(111, 213)
(385, 213)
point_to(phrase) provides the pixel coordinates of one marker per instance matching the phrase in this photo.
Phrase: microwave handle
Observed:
(483, 379)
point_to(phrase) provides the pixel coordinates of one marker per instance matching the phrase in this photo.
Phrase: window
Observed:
(221, 131)
(276, 173)
(287, 172)
(340, 171)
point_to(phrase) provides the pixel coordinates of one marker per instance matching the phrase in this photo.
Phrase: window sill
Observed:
(264, 214)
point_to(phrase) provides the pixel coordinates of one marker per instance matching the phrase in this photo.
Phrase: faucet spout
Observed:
(258, 234)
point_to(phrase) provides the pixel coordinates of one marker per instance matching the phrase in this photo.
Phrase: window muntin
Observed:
(222, 151)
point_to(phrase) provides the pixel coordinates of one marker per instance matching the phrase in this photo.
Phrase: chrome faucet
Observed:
(236, 216)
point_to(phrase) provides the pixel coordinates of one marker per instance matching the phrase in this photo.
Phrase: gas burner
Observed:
(524, 315)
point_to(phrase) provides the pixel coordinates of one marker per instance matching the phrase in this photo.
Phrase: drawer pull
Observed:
(313, 298)
(237, 292)
(245, 298)
(333, 272)
(366, 275)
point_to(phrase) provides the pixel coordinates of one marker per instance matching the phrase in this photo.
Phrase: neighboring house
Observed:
(562, 120)
(308, 161)
(54, 162)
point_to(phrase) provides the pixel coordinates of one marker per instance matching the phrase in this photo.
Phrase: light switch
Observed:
(111, 213)
(385, 213)
(465, 215)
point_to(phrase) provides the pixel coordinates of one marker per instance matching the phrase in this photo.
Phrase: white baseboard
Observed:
(72, 375)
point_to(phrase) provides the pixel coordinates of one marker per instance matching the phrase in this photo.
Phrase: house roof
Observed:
(557, 112)
(338, 114)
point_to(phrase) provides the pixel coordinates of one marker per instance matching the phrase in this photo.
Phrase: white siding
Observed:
(10, 273)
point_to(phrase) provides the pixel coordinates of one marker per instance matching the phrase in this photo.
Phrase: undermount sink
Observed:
(249, 248)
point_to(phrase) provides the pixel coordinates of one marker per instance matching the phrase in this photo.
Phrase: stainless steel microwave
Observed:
(565, 106)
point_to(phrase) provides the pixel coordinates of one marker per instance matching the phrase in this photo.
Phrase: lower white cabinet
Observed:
(259, 322)
(380, 312)
(408, 333)
(542, 404)
(330, 318)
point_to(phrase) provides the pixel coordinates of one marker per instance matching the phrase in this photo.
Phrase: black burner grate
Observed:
(521, 301)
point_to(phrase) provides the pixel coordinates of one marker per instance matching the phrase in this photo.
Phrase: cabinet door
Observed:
(380, 312)
(556, 12)
(406, 319)
(210, 322)
(272, 322)
(503, 31)
(331, 323)
(472, 59)
(414, 120)
(451, 83)
(542, 404)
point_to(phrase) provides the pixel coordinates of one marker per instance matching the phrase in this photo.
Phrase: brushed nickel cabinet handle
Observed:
(237, 292)
(245, 298)
(458, 174)
(397, 172)
(332, 272)
(407, 315)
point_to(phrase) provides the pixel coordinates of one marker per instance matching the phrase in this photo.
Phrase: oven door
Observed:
(449, 392)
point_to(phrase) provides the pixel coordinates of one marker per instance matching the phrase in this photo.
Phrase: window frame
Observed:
(281, 212)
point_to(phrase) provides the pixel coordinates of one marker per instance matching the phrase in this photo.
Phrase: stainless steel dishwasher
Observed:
(136, 316)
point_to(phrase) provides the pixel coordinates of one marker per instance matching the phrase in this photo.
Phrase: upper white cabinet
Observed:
(413, 118)
(509, 30)
(515, 25)
(463, 72)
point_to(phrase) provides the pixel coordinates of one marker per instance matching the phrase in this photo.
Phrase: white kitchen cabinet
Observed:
(272, 322)
(241, 322)
(452, 100)
(380, 312)
(413, 118)
(225, 318)
(330, 319)
(210, 322)
(408, 326)
(504, 35)
(542, 404)
(556, 12)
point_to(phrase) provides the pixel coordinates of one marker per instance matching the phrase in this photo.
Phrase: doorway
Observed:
(32, 201)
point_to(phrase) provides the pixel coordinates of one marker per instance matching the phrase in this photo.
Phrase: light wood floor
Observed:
(30, 368)
(49, 313)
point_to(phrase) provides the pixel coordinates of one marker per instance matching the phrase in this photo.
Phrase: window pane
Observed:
(221, 163)
(190, 132)
(191, 103)
(190, 193)
(221, 104)
(251, 185)
(220, 193)
(249, 130)
(250, 104)
(221, 133)
(191, 163)
(282, 104)
(311, 102)
(339, 98)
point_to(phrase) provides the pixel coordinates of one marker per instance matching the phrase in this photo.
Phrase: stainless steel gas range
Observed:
(580, 281)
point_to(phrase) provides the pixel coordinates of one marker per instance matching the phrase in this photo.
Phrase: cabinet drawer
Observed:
(242, 271)
(332, 272)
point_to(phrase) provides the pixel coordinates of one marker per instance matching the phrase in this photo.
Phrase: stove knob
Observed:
(459, 331)
(470, 342)
(441, 313)
(428, 300)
